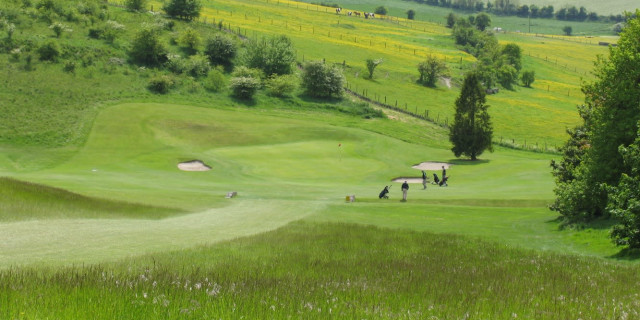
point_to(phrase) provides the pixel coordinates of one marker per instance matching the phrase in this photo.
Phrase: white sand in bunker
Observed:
(193, 165)
(431, 165)
(407, 179)
(427, 166)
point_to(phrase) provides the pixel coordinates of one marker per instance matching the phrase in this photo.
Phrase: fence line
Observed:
(508, 143)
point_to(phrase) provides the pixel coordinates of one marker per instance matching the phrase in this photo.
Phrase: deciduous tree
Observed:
(610, 115)
(321, 80)
(183, 9)
(275, 55)
(430, 70)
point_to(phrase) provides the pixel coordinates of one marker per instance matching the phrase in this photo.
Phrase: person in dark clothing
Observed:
(424, 180)
(405, 188)
(444, 172)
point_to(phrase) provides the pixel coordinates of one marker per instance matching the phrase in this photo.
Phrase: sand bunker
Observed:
(407, 179)
(193, 165)
(433, 166)
(427, 166)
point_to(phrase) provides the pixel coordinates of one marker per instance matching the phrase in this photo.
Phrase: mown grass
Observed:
(320, 271)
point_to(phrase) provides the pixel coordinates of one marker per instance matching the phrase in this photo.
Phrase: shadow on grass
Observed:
(626, 255)
(245, 102)
(468, 162)
(330, 100)
(596, 224)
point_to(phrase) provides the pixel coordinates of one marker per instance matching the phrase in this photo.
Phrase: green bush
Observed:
(147, 49)
(69, 66)
(161, 84)
(321, 80)
(380, 10)
(528, 77)
(58, 28)
(175, 64)
(198, 66)
(183, 9)
(190, 39)
(220, 50)
(215, 80)
(430, 70)
(411, 14)
(49, 51)
(507, 76)
(135, 5)
(244, 87)
(95, 33)
(112, 30)
(280, 86)
(275, 55)
(243, 71)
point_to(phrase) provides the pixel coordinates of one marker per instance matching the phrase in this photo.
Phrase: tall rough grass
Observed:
(325, 271)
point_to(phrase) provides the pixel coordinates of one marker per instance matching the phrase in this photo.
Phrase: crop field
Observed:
(98, 221)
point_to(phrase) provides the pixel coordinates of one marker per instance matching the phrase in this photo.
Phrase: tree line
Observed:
(511, 8)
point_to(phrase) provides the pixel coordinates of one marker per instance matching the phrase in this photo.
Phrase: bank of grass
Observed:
(320, 271)
(29, 201)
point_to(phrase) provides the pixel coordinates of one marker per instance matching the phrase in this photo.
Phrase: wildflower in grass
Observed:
(58, 28)
(215, 290)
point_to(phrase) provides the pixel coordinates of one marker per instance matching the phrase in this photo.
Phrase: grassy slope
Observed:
(27, 201)
(289, 166)
(317, 35)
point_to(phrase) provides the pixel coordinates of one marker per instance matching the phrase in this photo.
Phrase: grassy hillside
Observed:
(100, 77)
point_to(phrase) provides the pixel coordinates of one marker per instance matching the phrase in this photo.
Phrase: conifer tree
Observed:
(471, 131)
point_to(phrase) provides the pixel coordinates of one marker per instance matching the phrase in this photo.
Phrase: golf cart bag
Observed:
(436, 180)
(384, 193)
(444, 182)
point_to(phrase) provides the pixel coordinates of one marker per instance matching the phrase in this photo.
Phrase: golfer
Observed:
(424, 180)
(405, 188)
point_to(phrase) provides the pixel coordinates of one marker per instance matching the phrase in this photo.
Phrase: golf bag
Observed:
(436, 180)
(443, 182)
(384, 193)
